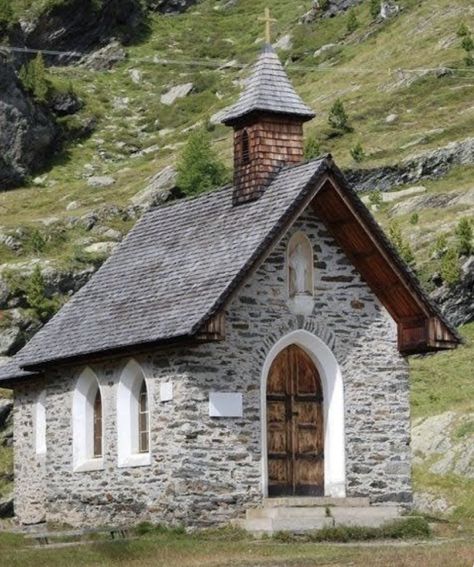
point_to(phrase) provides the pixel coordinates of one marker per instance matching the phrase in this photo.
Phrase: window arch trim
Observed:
(130, 435)
(86, 393)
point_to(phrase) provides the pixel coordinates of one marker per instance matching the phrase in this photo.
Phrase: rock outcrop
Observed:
(170, 6)
(82, 25)
(457, 302)
(427, 165)
(28, 132)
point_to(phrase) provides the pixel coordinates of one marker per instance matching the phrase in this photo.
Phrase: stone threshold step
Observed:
(314, 501)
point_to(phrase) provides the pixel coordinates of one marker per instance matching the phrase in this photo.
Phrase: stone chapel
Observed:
(240, 354)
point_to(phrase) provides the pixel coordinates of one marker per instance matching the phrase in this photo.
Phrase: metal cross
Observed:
(268, 25)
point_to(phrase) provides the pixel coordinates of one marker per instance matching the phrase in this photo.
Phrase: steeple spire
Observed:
(268, 126)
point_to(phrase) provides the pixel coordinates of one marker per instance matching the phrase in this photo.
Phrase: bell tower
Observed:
(268, 126)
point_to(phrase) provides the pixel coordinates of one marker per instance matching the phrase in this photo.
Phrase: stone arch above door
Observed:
(333, 394)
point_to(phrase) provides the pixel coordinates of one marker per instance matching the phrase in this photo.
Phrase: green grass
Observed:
(358, 73)
(220, 548)
(444, 381)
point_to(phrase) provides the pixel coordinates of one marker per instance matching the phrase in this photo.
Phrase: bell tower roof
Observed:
(268, 90)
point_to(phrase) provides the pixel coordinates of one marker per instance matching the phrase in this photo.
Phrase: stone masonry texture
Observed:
(206, 471)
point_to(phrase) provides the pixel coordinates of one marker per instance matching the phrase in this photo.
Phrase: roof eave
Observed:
(254, 113)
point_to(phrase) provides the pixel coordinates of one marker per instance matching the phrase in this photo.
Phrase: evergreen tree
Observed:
(199, 169)
(311, 148)
(467, 44)
(464, 236)
(403, 247)
(375, 9)
(352, 22)
(357, 153)
(33, 77)
(6, 15)
(450, 270)
(338, 117)
(43, 307)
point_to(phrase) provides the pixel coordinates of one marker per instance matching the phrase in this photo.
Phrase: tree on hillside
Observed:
(338, 117)
(33, 77)
(464, 234)
(6, 15)
(199, 169)
(375, 8)
(352, 22)
(402, 246)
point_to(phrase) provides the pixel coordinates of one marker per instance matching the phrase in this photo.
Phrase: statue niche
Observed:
(300, 274)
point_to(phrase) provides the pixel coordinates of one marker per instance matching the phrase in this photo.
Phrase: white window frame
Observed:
(40, 424)
(84, 395)
(128, 403)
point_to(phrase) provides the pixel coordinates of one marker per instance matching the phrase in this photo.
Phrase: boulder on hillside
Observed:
(170, 6)
(28, 133)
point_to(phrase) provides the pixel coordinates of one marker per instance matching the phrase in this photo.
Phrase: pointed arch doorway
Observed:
(295, 425)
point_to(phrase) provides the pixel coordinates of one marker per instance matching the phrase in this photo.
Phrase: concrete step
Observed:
(309, 514)
(368, 517)
(314, 501)
(318, 512)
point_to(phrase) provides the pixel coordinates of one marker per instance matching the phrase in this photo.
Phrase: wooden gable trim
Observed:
(214, 329)
(419, 329)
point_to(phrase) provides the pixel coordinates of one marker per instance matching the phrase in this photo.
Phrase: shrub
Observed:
(374, 8)
(464, 235)
(450, 270)
(352, 22)
(33, 77)
(6, 15)
(357, 153)
(403, 247)
(338, 117)
(323, 4)
(467, 44)
(463, 30)
(43, 307)
(375, 197)
(199, 169)
(414, 218)
(312, 149)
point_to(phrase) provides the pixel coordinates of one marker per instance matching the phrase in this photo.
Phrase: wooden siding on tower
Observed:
(273, 141)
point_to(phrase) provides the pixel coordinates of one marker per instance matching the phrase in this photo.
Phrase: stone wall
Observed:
(208, 470)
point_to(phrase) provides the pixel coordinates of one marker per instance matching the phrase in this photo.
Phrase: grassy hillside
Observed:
(136, 135)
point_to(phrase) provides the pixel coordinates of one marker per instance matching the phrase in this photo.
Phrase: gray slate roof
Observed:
(173, 271)
(269, 90)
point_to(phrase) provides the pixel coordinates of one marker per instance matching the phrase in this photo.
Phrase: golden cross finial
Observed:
(268, 25)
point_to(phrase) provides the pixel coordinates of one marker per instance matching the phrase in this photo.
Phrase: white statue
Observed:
(298, 270)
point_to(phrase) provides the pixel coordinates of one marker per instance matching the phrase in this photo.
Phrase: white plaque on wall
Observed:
(225, 404)
(166, 391)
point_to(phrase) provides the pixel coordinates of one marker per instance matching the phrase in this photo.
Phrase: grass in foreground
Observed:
(221, 548)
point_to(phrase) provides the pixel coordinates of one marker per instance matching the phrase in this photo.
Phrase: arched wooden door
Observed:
(295, 426)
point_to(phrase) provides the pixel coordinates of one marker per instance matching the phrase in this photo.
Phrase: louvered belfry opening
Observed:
(268, 127)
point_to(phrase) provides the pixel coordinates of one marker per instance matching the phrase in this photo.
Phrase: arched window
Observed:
(143, 421)
(87, 424)
(98, 424)
(245, 148)
(300, 266)
(40, 424)
(133, 417)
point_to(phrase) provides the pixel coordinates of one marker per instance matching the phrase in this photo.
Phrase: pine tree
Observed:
(403, 247)
(338, 117)
(464, 234)
(357, 153)
(375, 9)
(33, 77)
(199, 169)
(450, 270)
(312, 149)
(352, 22)
(6, 15)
